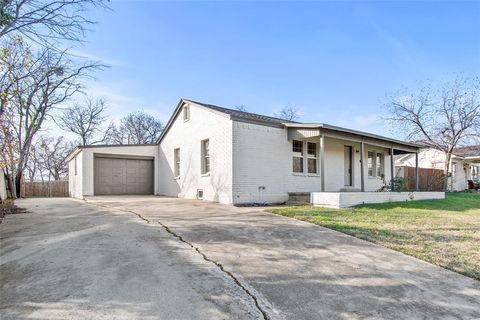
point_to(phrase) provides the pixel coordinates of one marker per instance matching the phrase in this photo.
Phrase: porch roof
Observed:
(309, 130)
(473, 159)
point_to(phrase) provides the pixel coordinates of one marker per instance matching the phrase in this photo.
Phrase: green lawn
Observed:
(442, 232)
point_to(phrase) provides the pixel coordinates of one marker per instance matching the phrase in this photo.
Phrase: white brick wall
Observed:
(187, 135)
(262, 157)
(75, 181)
(349, 199)
(3, 186)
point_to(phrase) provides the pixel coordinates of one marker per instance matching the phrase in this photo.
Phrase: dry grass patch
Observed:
(9, 207)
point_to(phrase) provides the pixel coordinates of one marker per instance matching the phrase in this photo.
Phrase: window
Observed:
(186, 112)
(75, 164)
(176, 162)
(475, 173)
(312, 157)
(379, 165)
(370, 164)
(297, 148)
(375, 164)
(312, 149)
(205, 156)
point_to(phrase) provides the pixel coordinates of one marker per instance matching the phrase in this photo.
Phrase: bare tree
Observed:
(441, 119)
(46, 22)
(241, 107)
(289, 113)
(48, 158)
(136, 128)
(85, 120)
(34, 166)
(53, 154)
(32, 85)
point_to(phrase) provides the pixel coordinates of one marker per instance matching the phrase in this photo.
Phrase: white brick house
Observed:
(235, 157)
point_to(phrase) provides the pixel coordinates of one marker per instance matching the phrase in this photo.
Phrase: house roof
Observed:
(233, 114)
(238, 115)
(350, 131)
(468, 151)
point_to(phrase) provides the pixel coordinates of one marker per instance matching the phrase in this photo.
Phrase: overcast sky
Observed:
(334, 60)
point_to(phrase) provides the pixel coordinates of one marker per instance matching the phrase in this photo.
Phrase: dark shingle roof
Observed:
(239, 115)
(468, 151)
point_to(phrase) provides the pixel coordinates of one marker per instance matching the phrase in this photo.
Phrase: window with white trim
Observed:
(205, 156)
(297, 149)
(186, 112)
(475, 173)
(375, 164)
(176, 162)
(370, 164)
(75, 164)
(312, 158)
(379, 165)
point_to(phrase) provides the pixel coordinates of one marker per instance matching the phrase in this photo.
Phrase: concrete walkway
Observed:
(164, 258)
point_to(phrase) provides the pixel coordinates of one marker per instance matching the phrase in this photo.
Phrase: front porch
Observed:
(353, 167)
(348, 160)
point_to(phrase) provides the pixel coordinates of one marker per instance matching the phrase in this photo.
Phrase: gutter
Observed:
(77, 149)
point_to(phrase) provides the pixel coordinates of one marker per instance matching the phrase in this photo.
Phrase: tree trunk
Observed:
(446, 170)
(11, 185)
(18, 184)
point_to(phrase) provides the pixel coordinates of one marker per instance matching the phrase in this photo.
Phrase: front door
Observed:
(348, 165)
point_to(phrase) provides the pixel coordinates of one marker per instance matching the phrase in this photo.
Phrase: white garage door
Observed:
(116, 175)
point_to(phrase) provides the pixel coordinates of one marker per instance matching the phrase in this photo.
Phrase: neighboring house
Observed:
(234, 157)
(464, 164)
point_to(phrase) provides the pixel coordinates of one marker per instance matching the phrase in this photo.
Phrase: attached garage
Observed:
(117, 175)
(113, 170)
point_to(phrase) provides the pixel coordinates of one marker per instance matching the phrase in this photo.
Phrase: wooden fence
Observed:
(45, 189)
(430, 179)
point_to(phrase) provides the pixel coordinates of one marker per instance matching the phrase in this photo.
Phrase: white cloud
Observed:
(120, 104)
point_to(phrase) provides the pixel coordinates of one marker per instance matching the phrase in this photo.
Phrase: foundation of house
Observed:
(350, 199)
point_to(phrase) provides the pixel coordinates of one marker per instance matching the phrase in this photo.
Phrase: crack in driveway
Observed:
(206, 258)
(220, 266)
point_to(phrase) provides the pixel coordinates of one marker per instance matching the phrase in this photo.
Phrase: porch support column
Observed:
(322, 163)
(392, 169)
(417, 175)
(362, 166)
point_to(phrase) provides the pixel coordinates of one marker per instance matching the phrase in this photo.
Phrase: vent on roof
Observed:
(186, 112)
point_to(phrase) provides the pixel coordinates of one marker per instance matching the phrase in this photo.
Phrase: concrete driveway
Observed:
(164, 258)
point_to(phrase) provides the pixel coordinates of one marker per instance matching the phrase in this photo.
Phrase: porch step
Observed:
(298, 198)
(350, 190)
